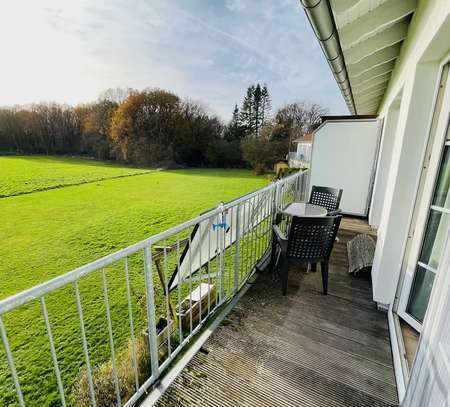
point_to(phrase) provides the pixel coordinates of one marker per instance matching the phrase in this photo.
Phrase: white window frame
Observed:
(431, 165)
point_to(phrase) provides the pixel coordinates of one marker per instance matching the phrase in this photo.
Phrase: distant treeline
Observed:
(155, 127)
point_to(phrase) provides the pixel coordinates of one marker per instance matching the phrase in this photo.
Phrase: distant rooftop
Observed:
(307, 138)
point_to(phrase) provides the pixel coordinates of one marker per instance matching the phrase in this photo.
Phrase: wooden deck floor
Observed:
(304, 349)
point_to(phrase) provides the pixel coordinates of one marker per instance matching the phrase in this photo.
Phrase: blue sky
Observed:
(210, 51)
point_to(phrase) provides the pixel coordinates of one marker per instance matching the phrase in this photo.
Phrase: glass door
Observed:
(431, 219)
(433, 241)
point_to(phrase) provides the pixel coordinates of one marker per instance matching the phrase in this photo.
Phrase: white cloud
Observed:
(235, 5)
(69, 51)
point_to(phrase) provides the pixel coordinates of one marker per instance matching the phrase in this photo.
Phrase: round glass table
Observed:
(305, 210)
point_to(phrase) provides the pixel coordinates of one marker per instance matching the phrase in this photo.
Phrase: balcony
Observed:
(301, 349)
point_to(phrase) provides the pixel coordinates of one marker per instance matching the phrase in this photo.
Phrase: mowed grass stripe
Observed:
(26, 174)
(45, 234)
(48, 233)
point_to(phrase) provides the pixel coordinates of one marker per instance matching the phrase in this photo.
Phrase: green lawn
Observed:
(25, 174)
(44, 234)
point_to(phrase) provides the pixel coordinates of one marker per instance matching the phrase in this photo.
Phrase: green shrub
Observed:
(262, 153)
(284, 172)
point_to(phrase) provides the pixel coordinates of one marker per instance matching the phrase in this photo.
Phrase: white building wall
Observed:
(383, 165)
(402, 181)
(415, 77)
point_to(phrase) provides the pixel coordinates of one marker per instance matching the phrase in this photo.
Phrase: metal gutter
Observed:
(322, 22)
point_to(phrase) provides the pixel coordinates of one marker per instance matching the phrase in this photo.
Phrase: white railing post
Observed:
(12, 367)
(53, 352)
(236, 247)
(220, 234)
(151, 315)
(131, 323)
(85, 345)
(278, 186)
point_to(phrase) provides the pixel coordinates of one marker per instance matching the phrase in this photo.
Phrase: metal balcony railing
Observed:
(120, 348)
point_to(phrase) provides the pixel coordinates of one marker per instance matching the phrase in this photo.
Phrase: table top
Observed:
(302, 209)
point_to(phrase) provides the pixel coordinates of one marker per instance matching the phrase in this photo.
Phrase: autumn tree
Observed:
(116, 95)
(96, 121)
(143, 127)
(11, 132)
(44, 128)
(296, 119)
(196, 131)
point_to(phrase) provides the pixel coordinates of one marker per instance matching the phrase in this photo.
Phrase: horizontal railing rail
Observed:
(132, 312)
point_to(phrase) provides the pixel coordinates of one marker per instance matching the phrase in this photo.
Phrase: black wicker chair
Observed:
(310, 241)
(329, 198)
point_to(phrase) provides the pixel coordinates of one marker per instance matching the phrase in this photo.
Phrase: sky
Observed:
(69, 51)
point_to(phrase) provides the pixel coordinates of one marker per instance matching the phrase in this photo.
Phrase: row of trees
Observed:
(151, 127)
(156, 127)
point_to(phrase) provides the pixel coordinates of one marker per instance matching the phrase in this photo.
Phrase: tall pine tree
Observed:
(235, 130)
(246, 114)
(266, 105)
(255, 109)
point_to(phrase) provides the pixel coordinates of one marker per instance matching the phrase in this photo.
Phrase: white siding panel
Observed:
(343, 157)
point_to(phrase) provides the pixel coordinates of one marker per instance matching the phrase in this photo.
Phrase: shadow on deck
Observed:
(304, 349)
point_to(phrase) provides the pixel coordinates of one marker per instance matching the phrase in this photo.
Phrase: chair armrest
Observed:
(334, 213)
(281, 237)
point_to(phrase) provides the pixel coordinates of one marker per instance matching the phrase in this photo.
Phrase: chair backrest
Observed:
(312, 239)
(329, 198)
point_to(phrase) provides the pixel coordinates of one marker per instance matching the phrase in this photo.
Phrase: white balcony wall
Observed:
(343, 157)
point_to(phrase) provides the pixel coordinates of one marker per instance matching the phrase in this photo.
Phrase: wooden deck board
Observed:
(303, 349)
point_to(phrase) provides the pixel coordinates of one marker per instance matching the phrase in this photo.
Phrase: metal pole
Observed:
(11, 365)
(53, 352)
(236, 258)
(130, 318)
(85, 347)
(219, 244)
(153, 346)
(111, 339)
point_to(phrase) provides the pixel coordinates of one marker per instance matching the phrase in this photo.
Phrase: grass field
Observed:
(47, 233)
(22, 175)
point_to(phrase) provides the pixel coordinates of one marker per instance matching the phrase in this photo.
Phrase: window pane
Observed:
(420, 293)
(434, 240)
(442, 192)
